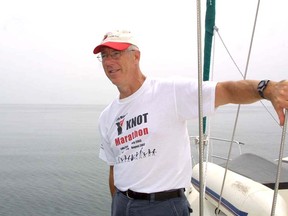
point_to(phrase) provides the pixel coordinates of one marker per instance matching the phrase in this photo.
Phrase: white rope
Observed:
(200, 110)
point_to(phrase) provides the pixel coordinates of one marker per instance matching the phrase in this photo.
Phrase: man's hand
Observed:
(277, 93)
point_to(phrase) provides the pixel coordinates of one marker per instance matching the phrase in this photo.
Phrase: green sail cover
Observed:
(209, 29)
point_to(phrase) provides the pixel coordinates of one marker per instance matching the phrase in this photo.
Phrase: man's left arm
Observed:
(245, 92)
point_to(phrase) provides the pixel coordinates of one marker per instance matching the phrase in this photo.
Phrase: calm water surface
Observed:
(49, 163)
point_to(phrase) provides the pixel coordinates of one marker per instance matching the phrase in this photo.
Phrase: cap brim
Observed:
(113, 45)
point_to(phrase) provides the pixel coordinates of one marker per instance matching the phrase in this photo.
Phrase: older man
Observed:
(144, 136)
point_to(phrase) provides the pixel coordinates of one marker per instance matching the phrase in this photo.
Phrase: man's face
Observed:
(119, 66)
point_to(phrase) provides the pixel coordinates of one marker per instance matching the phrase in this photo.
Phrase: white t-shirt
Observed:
(145, 136)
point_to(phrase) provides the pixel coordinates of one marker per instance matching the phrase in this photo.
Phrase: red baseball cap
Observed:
(118, 40)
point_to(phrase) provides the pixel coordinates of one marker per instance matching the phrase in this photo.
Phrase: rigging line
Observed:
(223, 43)
(210, 145)
(200, 110)
(251, 42)
(209, 33)
(279, 164)
(213, 57)
(239, 106)
(272, 116)
(217, 30)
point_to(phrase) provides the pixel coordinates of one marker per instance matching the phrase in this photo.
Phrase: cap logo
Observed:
(105, 36)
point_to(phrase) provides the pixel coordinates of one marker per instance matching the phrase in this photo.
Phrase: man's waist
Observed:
(158, 196)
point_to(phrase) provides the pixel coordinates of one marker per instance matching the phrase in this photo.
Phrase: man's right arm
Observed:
(111, 181)
(245, 92)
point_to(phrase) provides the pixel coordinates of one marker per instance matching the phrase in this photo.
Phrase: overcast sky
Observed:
(46, 47)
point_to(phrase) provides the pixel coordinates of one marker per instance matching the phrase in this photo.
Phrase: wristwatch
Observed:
(261, 87)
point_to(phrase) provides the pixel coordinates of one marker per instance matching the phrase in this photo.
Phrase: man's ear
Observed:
(137, 55)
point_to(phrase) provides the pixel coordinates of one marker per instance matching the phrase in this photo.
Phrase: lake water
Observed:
(49, 163)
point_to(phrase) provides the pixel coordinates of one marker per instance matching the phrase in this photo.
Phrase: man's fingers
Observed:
(281, 116)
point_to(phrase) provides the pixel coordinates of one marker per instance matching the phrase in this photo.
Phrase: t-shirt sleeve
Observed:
(105, 153)
(186, 98)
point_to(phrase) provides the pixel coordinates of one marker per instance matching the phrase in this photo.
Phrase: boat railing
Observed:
(207, 141)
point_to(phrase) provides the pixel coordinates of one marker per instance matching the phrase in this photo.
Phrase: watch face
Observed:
(261, 87)
(261, 84)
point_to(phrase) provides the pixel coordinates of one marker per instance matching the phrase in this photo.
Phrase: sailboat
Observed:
(248, 184)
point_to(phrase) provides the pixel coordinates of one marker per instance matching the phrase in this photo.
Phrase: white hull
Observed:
(241, 195)
(193, 198)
